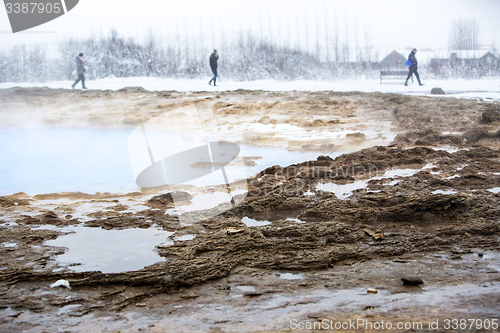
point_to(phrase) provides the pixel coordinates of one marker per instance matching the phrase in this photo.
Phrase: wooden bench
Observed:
(394, 73)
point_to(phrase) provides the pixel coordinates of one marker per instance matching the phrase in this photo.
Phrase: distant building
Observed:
(467, 63)
(393, 60)
(490, 58)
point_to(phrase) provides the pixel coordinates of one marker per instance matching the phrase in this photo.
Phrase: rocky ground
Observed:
(324, 257)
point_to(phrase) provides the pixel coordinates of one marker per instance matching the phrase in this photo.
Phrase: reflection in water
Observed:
(110, 251)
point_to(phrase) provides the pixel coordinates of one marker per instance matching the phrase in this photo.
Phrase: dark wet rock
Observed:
(253, 294)
(325, 158)
(478, 153)
(27, 236)
(51, 218)
(118, 208)
(119, 222)
(491, 113)
(317, 315)
(28, 220)
(412, 281)
(437, 91)
(132, 89)
(357, 135)
(31, 91)
(369, 232)
(420, 142)
(9, 202)
(169, 199)
(427, 138)
(273, 170)
(472, 136)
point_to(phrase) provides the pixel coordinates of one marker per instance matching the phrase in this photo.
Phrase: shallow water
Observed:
(109, 251)
(345, 191)
(44, 160)
(185, 238)
(444, 192)
(52, 160)
(290, 276)
(249, 222)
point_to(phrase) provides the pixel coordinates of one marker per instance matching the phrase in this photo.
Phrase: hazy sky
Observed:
(384, 24)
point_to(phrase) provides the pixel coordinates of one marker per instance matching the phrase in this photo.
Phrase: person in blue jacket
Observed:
(213, 65)
(413, 67)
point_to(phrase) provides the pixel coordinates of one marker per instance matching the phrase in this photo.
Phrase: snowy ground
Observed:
(487, 89)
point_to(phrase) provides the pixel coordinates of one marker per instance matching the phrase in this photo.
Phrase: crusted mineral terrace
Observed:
(415, 198)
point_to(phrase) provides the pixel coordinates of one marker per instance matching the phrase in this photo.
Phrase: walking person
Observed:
(79, 70)
(413, 67)
(213, 65)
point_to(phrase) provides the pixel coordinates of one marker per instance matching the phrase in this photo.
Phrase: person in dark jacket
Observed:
(79, 70)
(413, 67)
(213, 65)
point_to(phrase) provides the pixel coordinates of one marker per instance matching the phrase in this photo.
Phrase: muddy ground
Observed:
(321, 251)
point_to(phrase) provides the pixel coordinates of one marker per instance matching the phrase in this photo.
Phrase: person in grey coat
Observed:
(79, 70)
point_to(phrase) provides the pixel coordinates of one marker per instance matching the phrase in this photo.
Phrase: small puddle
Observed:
(290, 276)
(109, 251)
(246, 289)
(292, 219)
(494, 190)
(205, 201)
(254, 223)
(345, 191)
(185, 238)
(489, 257)
(447, 192)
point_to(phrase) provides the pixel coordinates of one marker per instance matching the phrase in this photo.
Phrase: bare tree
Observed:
(356, 41)
(297, 25)
(288, 28)
(464, 33)
(187, 42)
(306, 29)
(270, 26)
(260, 26)
(278, 22)
(327, 44)
(367, 44)
(336, 37)
(346, 54)
(318, 47)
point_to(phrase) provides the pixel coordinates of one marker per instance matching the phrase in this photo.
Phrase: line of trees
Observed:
(243, 56)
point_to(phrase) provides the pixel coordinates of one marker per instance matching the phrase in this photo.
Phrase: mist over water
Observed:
(42, 160)
(51, 160)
